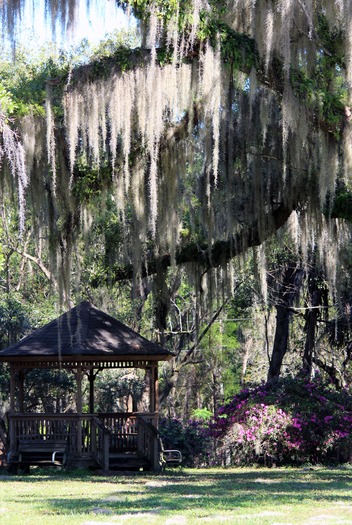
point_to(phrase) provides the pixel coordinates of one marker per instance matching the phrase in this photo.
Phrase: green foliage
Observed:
(7, 105)
(236, 49)
(202, 414)
(222, 364)
(14, 319)
(25, 78)
(49, 391)
(331, 39)
(23, 81)
(119, 41)
(90, 181)
(342, 205)
(115, 387)
(4, 386)
(166, 9)
(190, 438)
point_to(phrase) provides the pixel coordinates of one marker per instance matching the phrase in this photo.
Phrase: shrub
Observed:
(191, 438)
(292, 421)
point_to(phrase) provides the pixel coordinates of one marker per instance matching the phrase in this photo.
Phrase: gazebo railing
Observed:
(87, 435)
(122, 428)
(148, 442)
(100, 443)
(42, 427)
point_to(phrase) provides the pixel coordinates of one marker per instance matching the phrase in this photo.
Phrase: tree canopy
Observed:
(223, 124)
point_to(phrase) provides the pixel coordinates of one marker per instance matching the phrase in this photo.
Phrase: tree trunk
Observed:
(287, 293)
(318, 297)
(280, 342)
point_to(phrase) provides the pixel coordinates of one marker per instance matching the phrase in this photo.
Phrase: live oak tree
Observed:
(230, 122)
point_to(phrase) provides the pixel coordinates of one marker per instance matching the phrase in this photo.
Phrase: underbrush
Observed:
(291, 422)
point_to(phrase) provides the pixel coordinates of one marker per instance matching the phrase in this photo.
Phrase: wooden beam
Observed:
(12, 389)
(91, 378)
(12, 430)
(21, 390)
(154, 389)
(79, 409)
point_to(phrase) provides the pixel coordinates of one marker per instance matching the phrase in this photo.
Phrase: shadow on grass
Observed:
(200, 490)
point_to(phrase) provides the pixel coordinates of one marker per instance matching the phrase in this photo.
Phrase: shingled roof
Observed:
(85, 331)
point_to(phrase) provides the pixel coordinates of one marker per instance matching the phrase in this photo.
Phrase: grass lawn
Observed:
(187, 497)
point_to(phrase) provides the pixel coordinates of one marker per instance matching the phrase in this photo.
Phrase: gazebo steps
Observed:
(129, 461)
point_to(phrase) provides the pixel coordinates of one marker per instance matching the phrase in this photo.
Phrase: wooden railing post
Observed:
(12, 433)
(93, 437)
(101, 449)
(105, 451)
(148, 443)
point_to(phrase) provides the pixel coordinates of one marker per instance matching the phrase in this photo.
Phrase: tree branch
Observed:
(208, 256)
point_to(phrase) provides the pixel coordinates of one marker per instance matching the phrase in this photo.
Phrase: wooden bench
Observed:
(50, 452)
(171, 457)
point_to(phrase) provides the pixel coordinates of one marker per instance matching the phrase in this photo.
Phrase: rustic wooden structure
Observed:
(84, 340)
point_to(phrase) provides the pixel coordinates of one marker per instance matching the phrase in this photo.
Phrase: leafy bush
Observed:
(292, 421)
(191, 438)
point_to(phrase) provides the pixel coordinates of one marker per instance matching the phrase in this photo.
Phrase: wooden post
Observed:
(79, 409)
(154, 392)
(91, 378)
(105, 451)
(151, 390)
(21, 391)
(154, 407)
(156, 388)
(12, 430)
(12, 388)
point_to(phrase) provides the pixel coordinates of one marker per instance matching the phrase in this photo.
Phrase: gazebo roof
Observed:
(84, 332)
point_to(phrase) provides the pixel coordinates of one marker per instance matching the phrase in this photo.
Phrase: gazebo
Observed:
(84, 340)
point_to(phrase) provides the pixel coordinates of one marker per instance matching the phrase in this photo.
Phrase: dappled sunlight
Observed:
(251, 496)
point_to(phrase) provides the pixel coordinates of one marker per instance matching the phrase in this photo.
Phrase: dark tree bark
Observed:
(288, 292)
(280, 341)
(317, 297)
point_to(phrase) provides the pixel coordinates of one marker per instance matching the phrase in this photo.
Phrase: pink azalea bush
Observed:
(289, 422)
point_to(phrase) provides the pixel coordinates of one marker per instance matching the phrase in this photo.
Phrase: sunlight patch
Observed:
(244, 516)
(100, 523)
(267, 481)
(217, 518)
(326, 518)
(119, 520)
(137, 515)
(157, 484)
(177, 520)
(269, 513)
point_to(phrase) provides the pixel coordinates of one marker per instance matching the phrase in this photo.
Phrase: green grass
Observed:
(247, 496)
